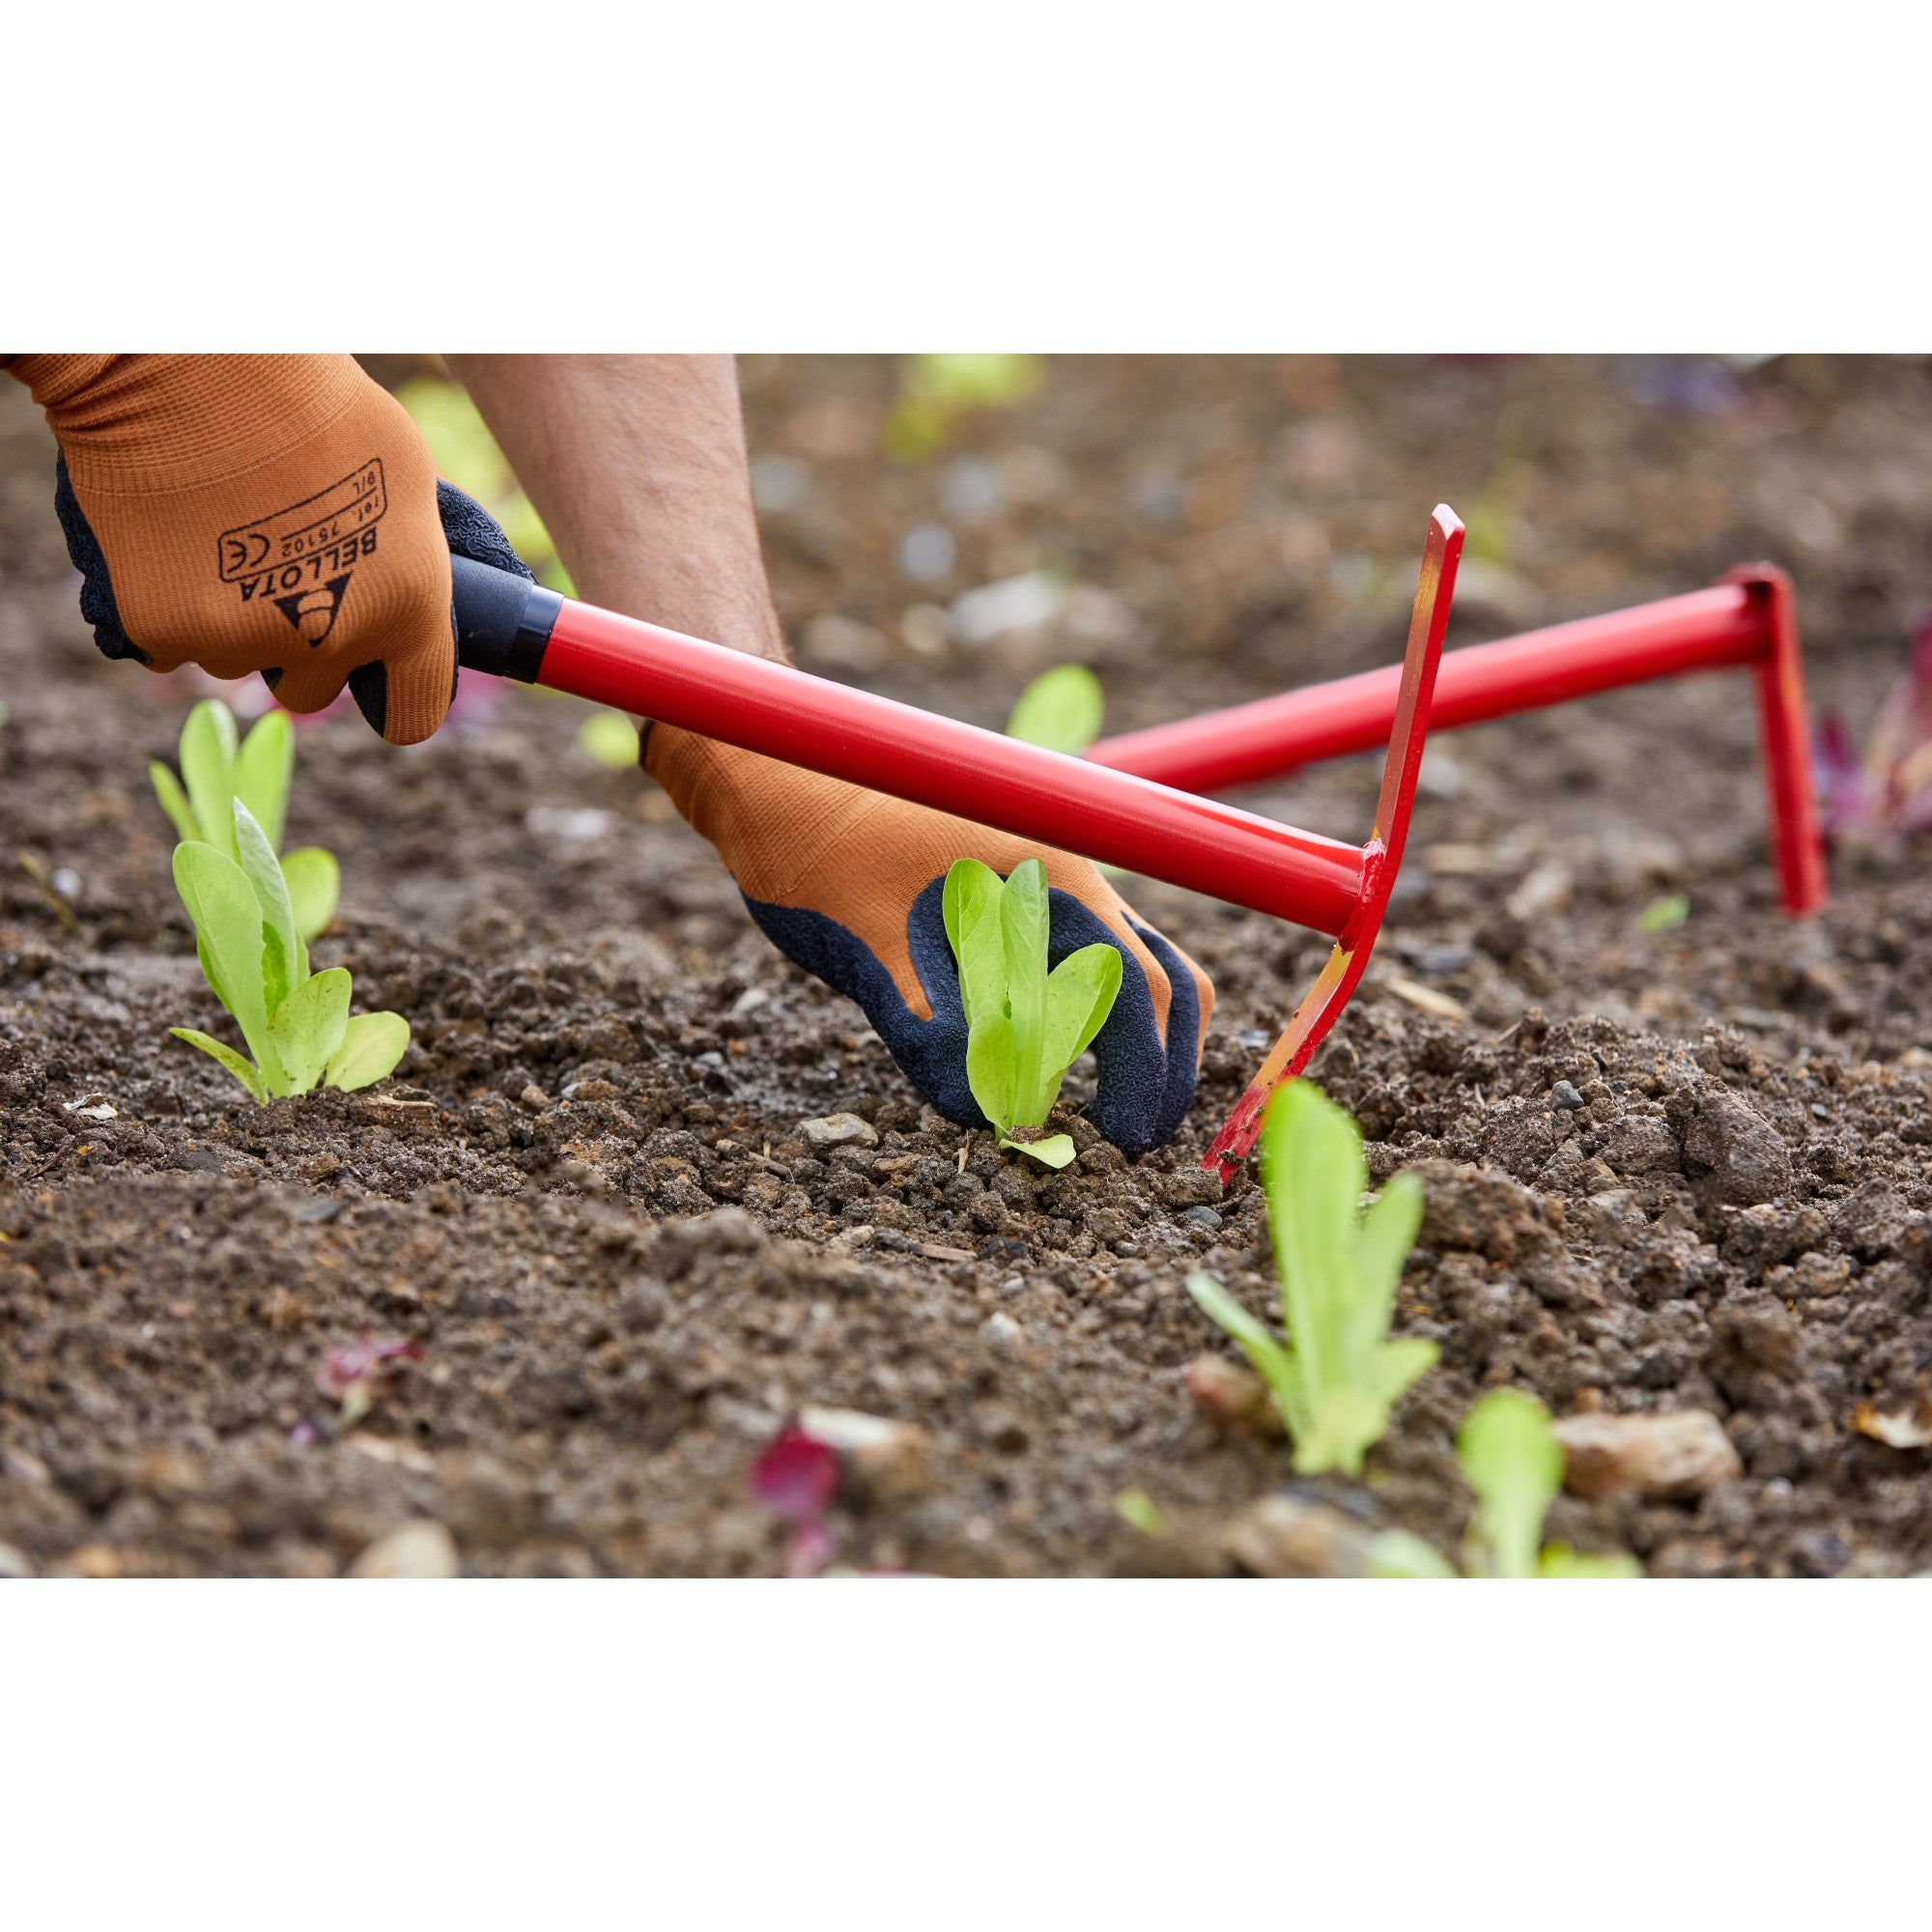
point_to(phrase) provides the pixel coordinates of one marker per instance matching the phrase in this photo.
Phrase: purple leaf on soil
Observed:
(366, 1365)
(796, 1477)
(809, 1548)
(1842, 802)
(1898, 760)
(1888, 791)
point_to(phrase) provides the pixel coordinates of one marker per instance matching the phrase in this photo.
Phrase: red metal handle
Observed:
(1113, 816)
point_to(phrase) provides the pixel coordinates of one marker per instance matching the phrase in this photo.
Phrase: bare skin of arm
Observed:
(636, 465)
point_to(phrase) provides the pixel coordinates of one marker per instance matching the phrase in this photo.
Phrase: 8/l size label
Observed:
(298, 538)
(301, 559)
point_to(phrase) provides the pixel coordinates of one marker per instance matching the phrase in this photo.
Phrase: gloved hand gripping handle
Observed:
(516, 629)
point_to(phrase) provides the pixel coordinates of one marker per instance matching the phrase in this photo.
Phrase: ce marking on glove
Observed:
(301, 559)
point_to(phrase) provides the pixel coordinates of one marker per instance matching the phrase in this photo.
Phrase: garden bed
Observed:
(1683, 1168)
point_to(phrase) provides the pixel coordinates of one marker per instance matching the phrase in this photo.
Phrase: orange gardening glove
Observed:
(848, 884)
(260, 513)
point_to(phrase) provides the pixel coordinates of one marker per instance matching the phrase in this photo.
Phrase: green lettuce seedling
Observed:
(1061, 709)
(1025, 1026)
(295, 1023)
(1337, 1377)
(257, 770)
(1513, 1461)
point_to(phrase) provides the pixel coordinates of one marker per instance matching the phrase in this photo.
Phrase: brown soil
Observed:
(587, 1197)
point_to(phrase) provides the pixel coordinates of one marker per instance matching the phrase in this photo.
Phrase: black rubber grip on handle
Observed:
(502, 621)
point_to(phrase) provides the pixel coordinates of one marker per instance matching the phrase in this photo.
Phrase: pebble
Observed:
(1014, 604)
(422, 1547)
(1664, 1456)
(890, 1458)
(1819, 1553)
(1565, 1095)
(1002, 1332)
(1547, 889)
(837, 1130)
(574, 825)
(928, 552)
(1202, 1217)
(1234, 1396)
(14, 1562)
(533, 1099)
(1283, 1536)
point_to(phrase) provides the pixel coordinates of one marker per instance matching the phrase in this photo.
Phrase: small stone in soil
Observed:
(1234, 1396)
(14, 1562)
(1202, 1217)
(1283, 1536)
(1819, 1553)
(1665, 1457)
(1002, 1332)
(837, 1130)
(1565, 1095)
(420, 1549)
(891, 1460)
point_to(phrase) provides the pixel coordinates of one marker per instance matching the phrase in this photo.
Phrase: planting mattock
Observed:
(1747, 621)
(513, 628)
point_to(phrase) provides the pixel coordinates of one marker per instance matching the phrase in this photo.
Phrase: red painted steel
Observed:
(1417, 677)
(1112, 816)
(1748, 621)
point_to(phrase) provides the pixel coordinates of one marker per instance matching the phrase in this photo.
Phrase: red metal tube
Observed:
(1110, 815)
(1749, 620)
(1708, 630)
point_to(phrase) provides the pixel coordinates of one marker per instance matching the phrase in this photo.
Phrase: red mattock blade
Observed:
(1381, 856)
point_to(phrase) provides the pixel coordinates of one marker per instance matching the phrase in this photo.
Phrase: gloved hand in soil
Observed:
(848, 884)
(279, 514)
(637, 466)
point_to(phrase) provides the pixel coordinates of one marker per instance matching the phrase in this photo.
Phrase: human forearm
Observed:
(636, 465)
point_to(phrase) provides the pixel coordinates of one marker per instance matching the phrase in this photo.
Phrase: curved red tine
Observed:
(1381, 857)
